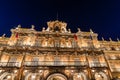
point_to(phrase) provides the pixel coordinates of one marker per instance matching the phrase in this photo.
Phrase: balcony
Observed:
(55, 63)
(98, 64)
(10, 64)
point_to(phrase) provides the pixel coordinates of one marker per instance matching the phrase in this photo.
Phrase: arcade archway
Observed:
(57, 76)
(101, 76)
(80, 76)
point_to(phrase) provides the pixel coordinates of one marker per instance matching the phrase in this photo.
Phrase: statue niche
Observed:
(57, 27)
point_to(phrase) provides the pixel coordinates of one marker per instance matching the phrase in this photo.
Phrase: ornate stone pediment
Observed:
(54, 26)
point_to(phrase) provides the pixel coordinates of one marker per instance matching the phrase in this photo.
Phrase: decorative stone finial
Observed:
(110, 39)
(32, 27)
(43, 29)
(69, 31)
(103, 39)
(3, 35)
(79, 30)
(19, 26)
(91, 31)
(118, 39)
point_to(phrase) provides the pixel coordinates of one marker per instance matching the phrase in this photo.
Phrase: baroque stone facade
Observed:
(56, 53)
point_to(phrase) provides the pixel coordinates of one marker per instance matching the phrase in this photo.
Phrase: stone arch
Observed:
(80, 76)
(58, 76)
(101, 76)
(5, 74)
(30, 74)
(27, 76)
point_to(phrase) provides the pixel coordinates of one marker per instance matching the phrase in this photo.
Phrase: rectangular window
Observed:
(57, 61)
(12, 61)
(77, 61)
(35, 61)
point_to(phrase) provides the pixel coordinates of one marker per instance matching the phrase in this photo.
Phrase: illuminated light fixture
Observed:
(15, 71)
(93, 70)
(99, 76)
(72, 71)
(105, 70)
(78, 75)
(33, 76)
(8, 77)
(40, 71)
(25, 71)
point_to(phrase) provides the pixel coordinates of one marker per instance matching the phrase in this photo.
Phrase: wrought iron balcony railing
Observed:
(98, 64)
(55, 63)
(10, 64)
(52, 63)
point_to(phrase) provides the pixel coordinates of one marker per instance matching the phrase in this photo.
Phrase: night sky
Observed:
(102, 16)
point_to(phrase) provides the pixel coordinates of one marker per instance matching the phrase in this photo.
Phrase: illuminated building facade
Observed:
(56, 53)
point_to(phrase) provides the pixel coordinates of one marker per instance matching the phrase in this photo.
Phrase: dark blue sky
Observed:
(103, 16)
